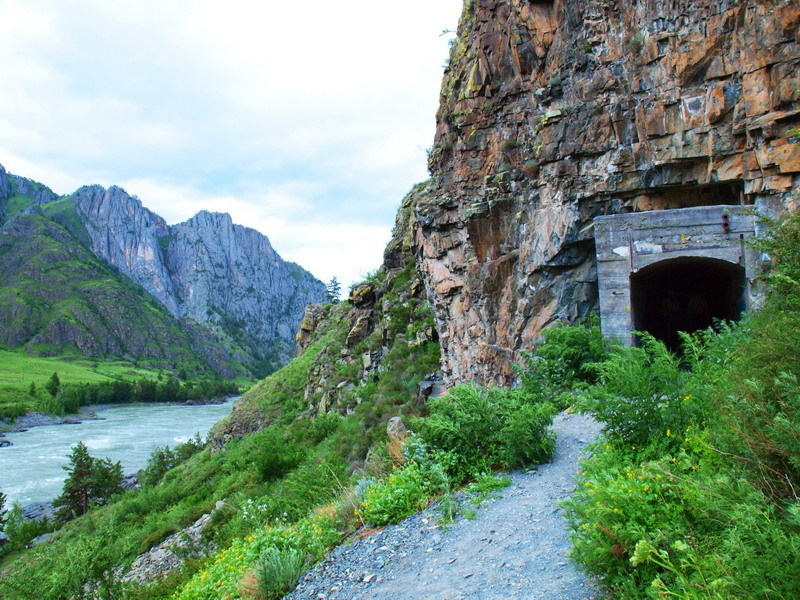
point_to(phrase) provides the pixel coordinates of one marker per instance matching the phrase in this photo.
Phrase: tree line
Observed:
(66, 398)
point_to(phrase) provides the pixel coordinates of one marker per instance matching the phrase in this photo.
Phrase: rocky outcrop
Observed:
(555, 112)
(130, 237)
(27, 193)
(207, 270)
(5, 192)
(163, 559)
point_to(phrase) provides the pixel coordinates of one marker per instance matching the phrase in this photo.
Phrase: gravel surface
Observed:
(516, 548)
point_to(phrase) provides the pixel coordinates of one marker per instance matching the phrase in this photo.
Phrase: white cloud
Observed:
(306, 121)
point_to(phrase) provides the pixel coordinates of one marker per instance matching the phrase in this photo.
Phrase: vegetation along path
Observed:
(516, 548)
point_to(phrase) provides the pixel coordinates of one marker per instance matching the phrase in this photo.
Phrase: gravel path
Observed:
(516, 548)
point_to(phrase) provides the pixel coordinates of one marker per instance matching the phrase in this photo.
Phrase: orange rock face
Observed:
(554, 112)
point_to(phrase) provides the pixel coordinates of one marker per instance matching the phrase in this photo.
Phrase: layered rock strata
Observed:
(555, 112)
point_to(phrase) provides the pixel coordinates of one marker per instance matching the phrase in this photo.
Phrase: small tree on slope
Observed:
(91, 481)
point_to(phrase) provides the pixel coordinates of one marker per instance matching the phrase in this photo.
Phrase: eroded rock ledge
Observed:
(555, 112)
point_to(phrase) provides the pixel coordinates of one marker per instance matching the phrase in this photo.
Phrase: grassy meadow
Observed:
(18, 370)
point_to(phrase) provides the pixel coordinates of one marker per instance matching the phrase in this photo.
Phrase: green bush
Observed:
(481, 430)
(563, 361)
(389, 501)
(278, 570)
(639, 396)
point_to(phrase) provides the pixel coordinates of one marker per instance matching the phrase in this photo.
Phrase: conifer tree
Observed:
(332, 290)
(91, 481)
(3, 511)
(53, 384)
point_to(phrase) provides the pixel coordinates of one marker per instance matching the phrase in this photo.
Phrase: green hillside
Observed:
(19, 370)
(58, 299)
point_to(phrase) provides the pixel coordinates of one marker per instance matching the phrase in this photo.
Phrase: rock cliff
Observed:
(57, 298)
(224, 285)
(207, 269)
(554, 112)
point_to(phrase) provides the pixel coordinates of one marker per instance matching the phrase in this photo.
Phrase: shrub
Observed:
(639, 396)
(161, 460)
(391, 500)
(479, 430)
(277, 571)
(563, 361)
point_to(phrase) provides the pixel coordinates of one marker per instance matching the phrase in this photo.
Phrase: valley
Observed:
(611, 227)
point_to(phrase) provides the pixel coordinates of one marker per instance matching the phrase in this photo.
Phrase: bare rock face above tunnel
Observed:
(555, 112)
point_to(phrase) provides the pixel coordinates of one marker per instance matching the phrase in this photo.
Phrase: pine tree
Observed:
(332, 290)
(91, 481)
(53, 384)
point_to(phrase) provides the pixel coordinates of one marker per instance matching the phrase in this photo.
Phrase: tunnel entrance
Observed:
(686, 294)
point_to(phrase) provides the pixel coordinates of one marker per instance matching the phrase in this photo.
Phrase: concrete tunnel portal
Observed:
(672, 270)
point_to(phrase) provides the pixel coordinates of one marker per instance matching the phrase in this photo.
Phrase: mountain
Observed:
(223, 288)
(207, 269)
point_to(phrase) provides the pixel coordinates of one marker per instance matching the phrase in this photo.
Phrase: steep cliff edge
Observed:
(365, 356)
(223, 276)
(554, 112)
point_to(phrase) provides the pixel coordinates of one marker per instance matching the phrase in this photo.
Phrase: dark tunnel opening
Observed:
(686, 294)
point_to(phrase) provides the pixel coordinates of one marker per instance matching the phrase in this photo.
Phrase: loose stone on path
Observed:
(516, 548)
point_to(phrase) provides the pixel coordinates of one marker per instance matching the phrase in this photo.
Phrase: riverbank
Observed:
(31, 469)
(87, 413)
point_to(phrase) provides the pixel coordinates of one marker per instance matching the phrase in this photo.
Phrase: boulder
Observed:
(396, 428)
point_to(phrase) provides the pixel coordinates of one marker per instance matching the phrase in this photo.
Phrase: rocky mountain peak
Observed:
(128, 236)
(206, 269)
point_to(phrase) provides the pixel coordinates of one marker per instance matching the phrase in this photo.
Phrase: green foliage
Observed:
(161, 460)
(484, 429)
(53, 384)
(277, 455)
(563, 362)
(693, 492)
(391, 500)
(278, 570)
(21, 530)
(639, 395)
(226, 576)
(91, 481)
(782, 244)
(332, 290)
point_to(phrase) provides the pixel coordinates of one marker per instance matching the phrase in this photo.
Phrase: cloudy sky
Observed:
(305, 120)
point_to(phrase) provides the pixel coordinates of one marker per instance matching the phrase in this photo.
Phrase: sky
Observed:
(307, 121)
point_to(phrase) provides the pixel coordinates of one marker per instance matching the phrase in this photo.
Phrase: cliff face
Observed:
(554, 112)
(127, 235)
(5, 192)
(207, 269)
(57, 298)
(226, 273)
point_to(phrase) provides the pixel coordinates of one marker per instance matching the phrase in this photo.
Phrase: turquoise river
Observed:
(31, 470)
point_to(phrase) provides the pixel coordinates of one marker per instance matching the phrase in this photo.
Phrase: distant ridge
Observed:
(221, 284)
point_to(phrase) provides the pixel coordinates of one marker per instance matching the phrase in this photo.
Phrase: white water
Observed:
(31, 469)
